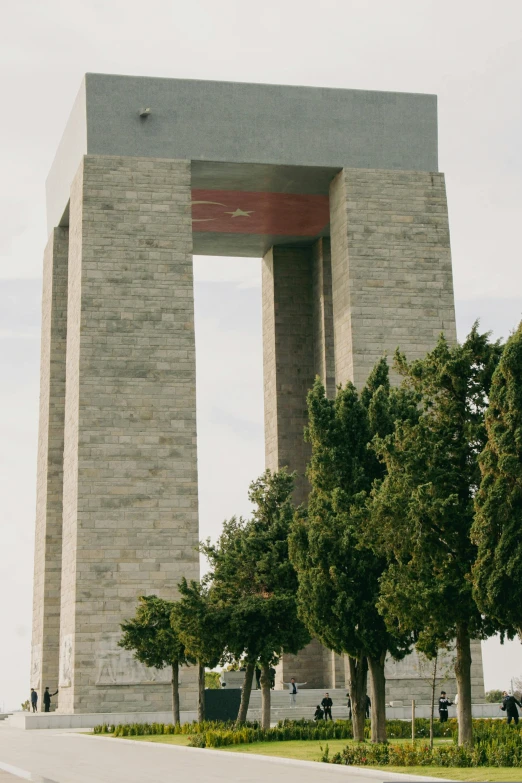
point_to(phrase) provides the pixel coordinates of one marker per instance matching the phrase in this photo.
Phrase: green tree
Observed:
(200, 623)
(494, 697)
(212, 681)
(423, 509)
(338, 573)
(497, 572)
(254, 581)
(155, 642)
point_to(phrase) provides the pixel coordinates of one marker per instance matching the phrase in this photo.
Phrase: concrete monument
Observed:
(339, 192)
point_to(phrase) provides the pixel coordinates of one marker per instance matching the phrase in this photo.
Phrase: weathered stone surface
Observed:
(48, 541)
(130, 483)
(288, 357)
(391, 267)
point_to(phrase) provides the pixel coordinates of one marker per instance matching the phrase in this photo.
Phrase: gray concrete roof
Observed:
(244, 137)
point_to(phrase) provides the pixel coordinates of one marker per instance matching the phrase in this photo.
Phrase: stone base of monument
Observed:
(306, 702)
(308, 698)
(55, 720)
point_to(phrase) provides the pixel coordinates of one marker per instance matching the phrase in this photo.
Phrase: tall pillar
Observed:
(324, 360)
(288, 358)
(48, 541)
(130, 515)
(391, 267)
(297, 345)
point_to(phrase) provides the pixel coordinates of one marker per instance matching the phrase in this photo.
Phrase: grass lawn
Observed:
(310, 750)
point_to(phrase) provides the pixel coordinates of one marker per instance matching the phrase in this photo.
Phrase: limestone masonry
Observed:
(338, 192)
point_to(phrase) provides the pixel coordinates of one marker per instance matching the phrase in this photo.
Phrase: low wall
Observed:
(54, 720)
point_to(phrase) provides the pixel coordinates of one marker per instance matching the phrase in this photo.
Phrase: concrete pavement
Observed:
(49, 756)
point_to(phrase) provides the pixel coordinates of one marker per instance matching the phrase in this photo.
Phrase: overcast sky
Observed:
(468, 52)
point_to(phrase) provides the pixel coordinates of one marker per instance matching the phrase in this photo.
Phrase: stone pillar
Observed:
(130, 516)
(297, 346)
(324, 361)
(48, 541)
(288, 358)
(391, 267)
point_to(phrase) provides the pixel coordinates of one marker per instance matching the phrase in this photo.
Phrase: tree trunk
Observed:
(378, 697)
(463, 675)
(175, 692)
(201, 692)
(245, 693)
(433, 686)
(358, 668)
(265, 696)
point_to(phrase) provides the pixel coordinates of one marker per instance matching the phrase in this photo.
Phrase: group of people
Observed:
(46, 699)
(323, 711)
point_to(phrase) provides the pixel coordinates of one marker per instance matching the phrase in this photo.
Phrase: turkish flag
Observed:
(246, 212)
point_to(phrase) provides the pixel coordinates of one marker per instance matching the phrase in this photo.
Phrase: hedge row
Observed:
(506, 752)
(148, 729)
(396, 729)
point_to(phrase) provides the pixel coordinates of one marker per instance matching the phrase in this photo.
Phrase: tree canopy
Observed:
(423, 509)
(253, 580)
(155, 642)
(338, 573)
(497, 529)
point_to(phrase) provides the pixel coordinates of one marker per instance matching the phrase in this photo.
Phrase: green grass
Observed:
(310, 750)
(507, 774)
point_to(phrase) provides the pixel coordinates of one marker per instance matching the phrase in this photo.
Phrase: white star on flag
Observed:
(240, 213)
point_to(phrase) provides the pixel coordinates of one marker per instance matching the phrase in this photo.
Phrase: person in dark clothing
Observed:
(368, 704)
(444, 703)
(272, 673)
(258, 677)
(349, 705)
(318, 714)
(509, 704)
(47, 699)
(327, 705)
(34, 700)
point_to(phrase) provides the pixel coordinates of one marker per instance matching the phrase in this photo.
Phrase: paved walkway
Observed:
(48, 756)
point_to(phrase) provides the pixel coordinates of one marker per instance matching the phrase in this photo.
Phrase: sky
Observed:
(469, 53)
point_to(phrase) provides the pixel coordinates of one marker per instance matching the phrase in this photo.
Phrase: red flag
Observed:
(246, 212)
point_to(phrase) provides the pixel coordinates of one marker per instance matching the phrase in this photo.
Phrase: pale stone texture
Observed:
(324, 360)
(130, 477)
(297, 345)
(48, 541)
(288, 353)
(391, 267)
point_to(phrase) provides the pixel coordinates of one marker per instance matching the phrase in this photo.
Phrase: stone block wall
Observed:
(288, 359)
(130, 475)
(48, 539)
(391, 267)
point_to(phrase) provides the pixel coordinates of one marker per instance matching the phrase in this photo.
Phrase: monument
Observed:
(339, 192)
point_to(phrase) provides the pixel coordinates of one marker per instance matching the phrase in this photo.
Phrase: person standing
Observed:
(327, 705)
(272, 673)
(47, 699)
(34, 700)
(444, 703)
(367, 706)
(293, 689)
(349, 705)
(258, 677)
(509, 704)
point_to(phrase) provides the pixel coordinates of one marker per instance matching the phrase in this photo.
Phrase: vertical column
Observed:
(288, 358)
(324, 360)
(130, 524)
(297, 345)
(391, 267)
(48, 541)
